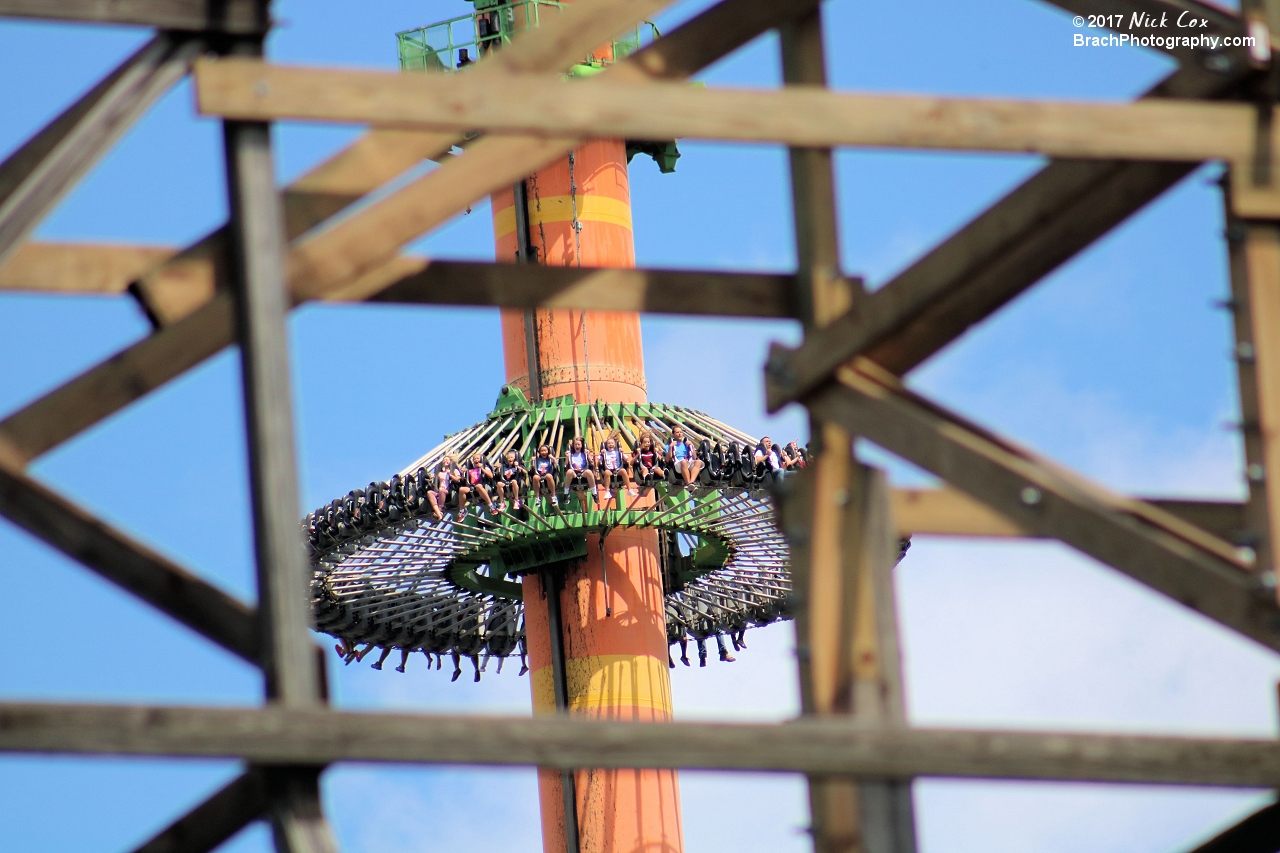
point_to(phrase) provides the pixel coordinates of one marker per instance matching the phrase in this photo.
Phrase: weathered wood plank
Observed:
(1238, 234)
(139, 369)
(79, 268)
(1151, 546)
(1262, 266)
(538, 286)
(297, 820)
(203, 829)
(130, 565)
(108, 269)
(947, 512)
(262, 303)
(820, 747)
(950, 512)
(37, 176)
(798, 115)
(824, 530)
(847, 639)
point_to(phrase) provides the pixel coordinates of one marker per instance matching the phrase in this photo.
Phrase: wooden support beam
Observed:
(37, 176)
(1226, 520)
(284, 575)
(847, 640)
(297, 821)
(837, 518)
(203, 829)
(585, 288)
(821, 294)
(238, 17)
(79, 268)
(872, 648)
(950, 512)
(142, 367)
(292, 673)
(946, 512)
(1259, 348)
(797, 115)
(130, 565)
(1152, 546)
(1240, 235)
(275, 735)
(100, 268)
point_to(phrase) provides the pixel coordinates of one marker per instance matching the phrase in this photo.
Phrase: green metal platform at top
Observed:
(440, 46)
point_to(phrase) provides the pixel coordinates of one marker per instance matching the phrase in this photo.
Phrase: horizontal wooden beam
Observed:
(537, 286)
(130, 565)
(947, 512)
(950, 512)
(102, 268)
(1152, 546)
(79, 268)
(239, 17)
(1224, 519)
(797, 116)
(816, 747)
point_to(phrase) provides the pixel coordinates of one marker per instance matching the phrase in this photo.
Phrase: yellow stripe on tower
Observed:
(608, 681)
(559, 208)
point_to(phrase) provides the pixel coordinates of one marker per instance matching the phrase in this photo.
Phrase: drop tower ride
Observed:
(577, 212)
(589, 591)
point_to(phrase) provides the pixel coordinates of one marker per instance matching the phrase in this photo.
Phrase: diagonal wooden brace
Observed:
(1150, 545)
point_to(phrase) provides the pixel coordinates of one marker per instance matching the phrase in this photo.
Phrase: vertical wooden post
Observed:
(847, 639)
(1262, 266)
(822, 293)
(1253, 249)
(289, 662)
(846, 642)
(258, 272)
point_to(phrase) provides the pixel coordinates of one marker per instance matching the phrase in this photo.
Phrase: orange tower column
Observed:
(615, 648)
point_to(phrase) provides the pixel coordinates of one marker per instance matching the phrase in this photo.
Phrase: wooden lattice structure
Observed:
(842, 522)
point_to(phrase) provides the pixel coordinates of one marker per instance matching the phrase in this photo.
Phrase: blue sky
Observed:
(1116, 364)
